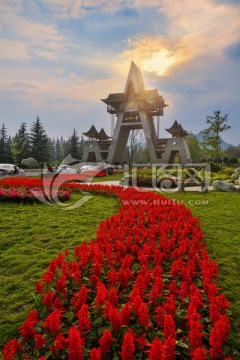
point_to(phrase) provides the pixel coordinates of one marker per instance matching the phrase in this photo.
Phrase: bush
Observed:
(214, 166)
(233, 160)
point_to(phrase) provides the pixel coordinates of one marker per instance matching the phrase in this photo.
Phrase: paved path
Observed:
(116, 183)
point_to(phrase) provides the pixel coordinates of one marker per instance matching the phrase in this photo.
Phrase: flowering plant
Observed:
(143, 289)
(23, 194)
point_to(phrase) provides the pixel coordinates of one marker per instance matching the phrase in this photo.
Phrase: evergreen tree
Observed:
(52, 150)
(5, 146)
(73, 145)
(59, 150)
(21, 145)
(39, 142)
(211, 135)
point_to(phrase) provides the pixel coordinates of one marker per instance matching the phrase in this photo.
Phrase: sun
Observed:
(159, 62)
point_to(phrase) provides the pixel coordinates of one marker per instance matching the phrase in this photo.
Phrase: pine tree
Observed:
(59, 151)
(5, 146)
(21, 144)
(39, 142)
(52, 150)
(211, 135)
(73, 145)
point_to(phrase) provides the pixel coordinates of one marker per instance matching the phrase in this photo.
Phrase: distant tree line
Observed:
(38, 145)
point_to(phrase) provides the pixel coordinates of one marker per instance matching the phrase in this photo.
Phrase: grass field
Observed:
(32, 235)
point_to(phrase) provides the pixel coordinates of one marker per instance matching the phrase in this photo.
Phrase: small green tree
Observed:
(211, 135)
(39, 142)
(5, 146)
(194, 148)
(21, 144)
(73, 145)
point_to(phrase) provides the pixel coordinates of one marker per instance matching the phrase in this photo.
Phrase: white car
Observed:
(88, 168)
(10, 169)
(66, 169)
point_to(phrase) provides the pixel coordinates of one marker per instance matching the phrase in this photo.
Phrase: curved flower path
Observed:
(143, 289)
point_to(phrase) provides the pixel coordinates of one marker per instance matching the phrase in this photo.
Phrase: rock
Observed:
(237, 171)
(219, 185)
(30, 163)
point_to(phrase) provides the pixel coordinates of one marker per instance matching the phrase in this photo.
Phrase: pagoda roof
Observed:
(112, 98)
(102, 135)
(142, 95)
(93, 133)
(177, 130)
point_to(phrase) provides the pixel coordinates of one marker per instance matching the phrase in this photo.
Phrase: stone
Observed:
(219, 185)
(237, 171)
(30, 163)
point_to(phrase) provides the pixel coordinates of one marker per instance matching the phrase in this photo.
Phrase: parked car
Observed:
(88, 168)
(66, 169)
(10, 169)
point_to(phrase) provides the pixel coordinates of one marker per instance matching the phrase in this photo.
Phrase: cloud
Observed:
(30, 38)
(14, 50)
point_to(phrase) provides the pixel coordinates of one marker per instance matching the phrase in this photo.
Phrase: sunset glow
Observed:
(160, 62)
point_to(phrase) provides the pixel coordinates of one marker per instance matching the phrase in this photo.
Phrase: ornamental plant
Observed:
(143, 289)
(26, 195)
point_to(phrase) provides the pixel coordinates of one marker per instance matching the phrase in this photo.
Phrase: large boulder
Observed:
(30, 163)
(219, 185)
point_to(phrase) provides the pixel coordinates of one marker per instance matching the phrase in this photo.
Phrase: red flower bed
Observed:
(23, 194)
(143, 289)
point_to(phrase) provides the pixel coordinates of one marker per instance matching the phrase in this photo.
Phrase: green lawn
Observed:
(32, 235)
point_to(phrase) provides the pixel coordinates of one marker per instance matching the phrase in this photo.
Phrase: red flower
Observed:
(101, 294)
(10, 349)
(195, 333)
(106, 341)
(75, 349)
(156, 349)
(39, 341)
(48, 299)
(128, 347)
(60, 342)
(80, 298)
(199, 354)
(112, 277)
(143, 315)
(218, 336)
(83, 318)
(53, 321)
(39, 287)
(113, 297)
(95, 354)
(114, 317)
(169, 327)
(27, 329)
(125, 314)
(61, 284)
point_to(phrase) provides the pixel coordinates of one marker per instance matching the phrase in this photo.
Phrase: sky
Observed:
(60, 57)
